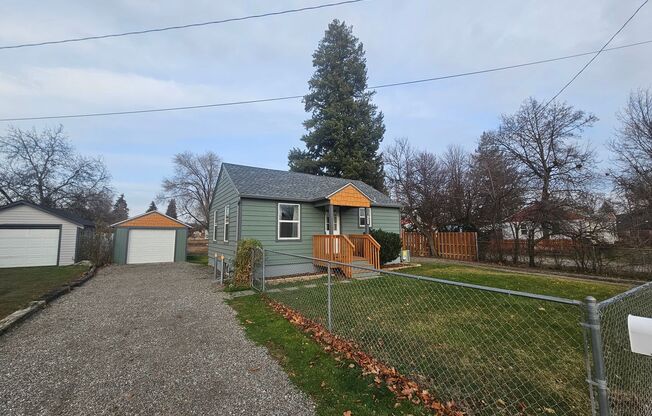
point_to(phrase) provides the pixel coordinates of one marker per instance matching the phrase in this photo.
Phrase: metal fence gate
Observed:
(628, 375)
(258, 269)
(492, 351)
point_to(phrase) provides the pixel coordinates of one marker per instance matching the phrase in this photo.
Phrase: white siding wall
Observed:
(27, 215)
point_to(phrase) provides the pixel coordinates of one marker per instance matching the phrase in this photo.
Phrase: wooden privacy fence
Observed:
(454, 246)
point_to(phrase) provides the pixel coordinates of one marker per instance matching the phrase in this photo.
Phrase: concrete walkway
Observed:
(150, 339)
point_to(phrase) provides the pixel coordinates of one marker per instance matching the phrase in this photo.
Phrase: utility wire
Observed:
(178, 27)
(596, 55)
(294, 97)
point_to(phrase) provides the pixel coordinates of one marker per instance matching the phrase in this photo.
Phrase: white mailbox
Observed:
(640, 334)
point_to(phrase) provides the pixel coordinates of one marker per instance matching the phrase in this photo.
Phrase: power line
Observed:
(294, 97)
(178, 27)
(596, 55)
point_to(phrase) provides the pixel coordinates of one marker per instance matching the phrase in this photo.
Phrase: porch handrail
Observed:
(333, 247)
(368, 247)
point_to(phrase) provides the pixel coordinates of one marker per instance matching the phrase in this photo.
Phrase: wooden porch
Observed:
(346, 249)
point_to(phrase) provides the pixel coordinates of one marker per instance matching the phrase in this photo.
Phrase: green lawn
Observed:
(19, 286)
(197, 259)
(490, 352)
(333, 385)
(543, 285)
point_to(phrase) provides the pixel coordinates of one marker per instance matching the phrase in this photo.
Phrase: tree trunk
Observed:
(431, 243)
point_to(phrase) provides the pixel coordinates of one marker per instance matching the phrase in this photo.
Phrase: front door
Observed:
(336, 229)
(336, 216)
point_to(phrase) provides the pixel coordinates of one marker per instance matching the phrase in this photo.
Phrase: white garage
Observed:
(31, 235)
(151, 246)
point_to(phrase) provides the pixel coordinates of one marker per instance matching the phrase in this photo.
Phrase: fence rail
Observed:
(454, 246)
(492, 351)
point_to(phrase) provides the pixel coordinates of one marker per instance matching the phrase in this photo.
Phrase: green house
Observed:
(290, 214)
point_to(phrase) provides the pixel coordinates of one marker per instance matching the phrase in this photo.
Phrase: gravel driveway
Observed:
(147, 339)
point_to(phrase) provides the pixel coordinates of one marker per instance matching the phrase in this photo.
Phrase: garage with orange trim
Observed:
(149, 238)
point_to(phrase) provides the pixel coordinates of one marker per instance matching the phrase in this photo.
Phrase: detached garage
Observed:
(32, 235)
(149, 238)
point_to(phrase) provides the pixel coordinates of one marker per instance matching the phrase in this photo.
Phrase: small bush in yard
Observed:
(390, 244)
(243, 260)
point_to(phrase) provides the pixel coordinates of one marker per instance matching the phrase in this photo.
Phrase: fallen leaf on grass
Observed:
(401, 386)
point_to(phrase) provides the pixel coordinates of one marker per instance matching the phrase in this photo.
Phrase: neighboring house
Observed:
(570, 225)
(32, 235)
(291, 212)
(151, 237)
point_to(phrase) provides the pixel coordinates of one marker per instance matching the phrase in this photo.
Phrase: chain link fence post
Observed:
(215, 266)
(329, 295)
(262, 252)
(599, 380)
(222, 270)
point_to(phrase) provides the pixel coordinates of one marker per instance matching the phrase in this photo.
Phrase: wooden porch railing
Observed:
(333, 247)
(366, 246)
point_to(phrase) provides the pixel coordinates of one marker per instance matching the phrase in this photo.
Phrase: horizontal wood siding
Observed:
(225, 193)
(387, 219)
(259, 221)
(23, 214)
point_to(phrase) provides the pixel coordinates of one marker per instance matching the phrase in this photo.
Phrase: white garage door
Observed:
(23, 247)
(150, 246)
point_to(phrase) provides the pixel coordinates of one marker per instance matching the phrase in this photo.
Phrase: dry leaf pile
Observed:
(401, 386)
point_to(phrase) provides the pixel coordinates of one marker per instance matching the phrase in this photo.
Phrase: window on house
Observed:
(523, 229)
(215, 225)
(227, 222)
(361, 218)
(289, 221)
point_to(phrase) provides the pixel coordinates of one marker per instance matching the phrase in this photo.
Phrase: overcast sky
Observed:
(271, 57)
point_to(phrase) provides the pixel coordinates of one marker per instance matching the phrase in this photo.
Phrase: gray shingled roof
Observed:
(61, 213)
(263, 183)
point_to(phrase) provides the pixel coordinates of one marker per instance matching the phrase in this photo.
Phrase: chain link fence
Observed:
(629, 375)
(491, 351)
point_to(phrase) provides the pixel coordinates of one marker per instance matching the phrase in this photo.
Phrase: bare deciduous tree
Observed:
(417, 180)
(633, 156)
(461, 188)
(43, 168)
(500, 191)
(544, 142)
(193, 183)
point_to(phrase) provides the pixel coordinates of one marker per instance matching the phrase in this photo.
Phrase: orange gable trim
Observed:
(152, 219)
(349, 196)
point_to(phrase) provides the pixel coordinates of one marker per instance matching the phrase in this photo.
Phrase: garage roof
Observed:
(61, 213)
(152, 219)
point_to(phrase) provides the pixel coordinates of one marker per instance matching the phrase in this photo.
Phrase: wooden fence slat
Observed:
(455, 246)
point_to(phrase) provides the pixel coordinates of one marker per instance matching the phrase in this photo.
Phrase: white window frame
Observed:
(227, 222)
(279, 221)
(215, 225)
(362, 216)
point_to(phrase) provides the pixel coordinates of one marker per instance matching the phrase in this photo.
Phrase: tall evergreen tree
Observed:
(345, 129)
(172, 209)
(152, 207)
(120, 210)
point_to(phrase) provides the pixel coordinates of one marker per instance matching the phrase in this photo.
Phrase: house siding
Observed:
(225, 193)
(27, 215)
(259, 221)
(386, 219)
